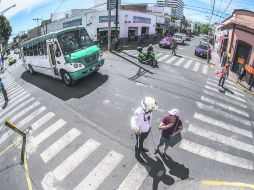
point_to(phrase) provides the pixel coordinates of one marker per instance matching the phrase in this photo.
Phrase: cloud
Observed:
(21, 5)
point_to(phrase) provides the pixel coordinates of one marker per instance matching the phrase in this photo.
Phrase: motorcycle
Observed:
(148, 58)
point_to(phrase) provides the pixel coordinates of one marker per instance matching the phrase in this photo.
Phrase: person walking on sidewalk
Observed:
(209, 54)
(224, 74)
(170, 126)
(4, 94)
(141, 124)
(242, 73)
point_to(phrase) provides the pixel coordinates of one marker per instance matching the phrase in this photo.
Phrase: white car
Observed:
(180, 38)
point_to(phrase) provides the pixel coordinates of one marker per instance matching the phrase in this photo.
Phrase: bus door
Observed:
(54, 58)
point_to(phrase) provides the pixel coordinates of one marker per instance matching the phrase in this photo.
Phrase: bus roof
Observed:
(50, 35)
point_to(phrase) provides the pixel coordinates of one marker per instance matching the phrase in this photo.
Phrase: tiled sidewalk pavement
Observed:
(215, 64)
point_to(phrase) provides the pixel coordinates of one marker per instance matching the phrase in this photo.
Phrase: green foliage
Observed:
(204, 28)
(5, 29)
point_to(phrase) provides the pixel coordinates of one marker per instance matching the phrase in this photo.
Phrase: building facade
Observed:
(176, 5)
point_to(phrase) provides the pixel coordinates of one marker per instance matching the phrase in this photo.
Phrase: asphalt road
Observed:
(81, 138)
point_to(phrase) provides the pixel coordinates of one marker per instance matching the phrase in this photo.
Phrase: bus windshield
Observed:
(74, 41)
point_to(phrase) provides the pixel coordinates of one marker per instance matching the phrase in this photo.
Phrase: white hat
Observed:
(175, 112)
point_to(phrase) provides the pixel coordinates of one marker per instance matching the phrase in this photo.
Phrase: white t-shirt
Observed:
(141, 120)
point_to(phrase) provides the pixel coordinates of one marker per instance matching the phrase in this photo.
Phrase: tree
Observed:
(204, 28)
(5, 29)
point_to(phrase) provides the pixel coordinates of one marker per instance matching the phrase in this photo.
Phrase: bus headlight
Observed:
(75, 65)
(100, 55)
(80, 65)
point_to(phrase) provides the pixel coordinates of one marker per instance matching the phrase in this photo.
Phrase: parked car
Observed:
(188, 37)
(180, 38)
(11, 60)
(166, 42)
(201, 50)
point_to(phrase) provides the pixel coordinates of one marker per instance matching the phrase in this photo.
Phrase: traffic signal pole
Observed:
(109, 25)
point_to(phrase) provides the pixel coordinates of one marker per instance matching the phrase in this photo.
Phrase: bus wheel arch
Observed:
(66, 78)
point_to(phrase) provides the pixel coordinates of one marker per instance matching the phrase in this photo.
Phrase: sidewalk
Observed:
(232, 76)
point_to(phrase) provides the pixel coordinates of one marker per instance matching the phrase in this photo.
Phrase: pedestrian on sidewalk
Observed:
(223, 59)
(224, 74)
(242, 73)
(141, 124)
(209, 54)
(170, 126)
(4, 94)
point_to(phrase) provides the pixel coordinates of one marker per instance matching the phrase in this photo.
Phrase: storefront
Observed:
(240, 28)
(132, 33)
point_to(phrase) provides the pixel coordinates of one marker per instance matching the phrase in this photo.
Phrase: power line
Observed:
(225, 10)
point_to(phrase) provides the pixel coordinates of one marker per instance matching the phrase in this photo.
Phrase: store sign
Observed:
(103, 19)
(71, 23)
(140, 19)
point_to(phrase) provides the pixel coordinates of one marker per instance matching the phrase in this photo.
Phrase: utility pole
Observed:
(109, 25)
(116, 30)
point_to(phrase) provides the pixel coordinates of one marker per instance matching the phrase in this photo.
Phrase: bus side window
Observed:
(40, 48)
(44, 45)
(30, 50)
(35, 49)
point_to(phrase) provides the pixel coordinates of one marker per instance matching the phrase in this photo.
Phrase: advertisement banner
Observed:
(140, 19)
(103, 19)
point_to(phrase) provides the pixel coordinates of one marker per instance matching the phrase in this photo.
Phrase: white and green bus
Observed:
(68, 54)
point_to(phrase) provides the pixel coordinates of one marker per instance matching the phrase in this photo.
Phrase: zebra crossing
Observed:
(230, 106)
(170, 60)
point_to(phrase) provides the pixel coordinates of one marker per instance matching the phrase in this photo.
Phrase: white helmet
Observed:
(149, 104)
(174, 112)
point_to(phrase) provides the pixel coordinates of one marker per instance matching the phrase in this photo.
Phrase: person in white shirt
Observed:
(141, 124)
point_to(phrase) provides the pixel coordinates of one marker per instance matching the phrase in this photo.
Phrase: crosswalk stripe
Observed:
(179, 62)
(37, 124)
(224, 98)
(134, 179)
(11, 95)
(59, 145)
(230, 82)
(171, 60)
(216, 155)
(31, 116)
(5, 136)
(225, 114)
(227, 94)
(11, 86)
(159, 55)
(18, 107)
(222, 125)
(227, 85)
(48, 132)
(216, 137)
(205, 69)
(14, 103)
(164, 57)
(187, 64)
(225, 106)
(216, 85)
(196, 67)
(68, 165)
(93, 180)
(24, 111)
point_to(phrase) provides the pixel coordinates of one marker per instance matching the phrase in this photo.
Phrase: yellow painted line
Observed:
(7, 148)
(28, 180)
(223, 183)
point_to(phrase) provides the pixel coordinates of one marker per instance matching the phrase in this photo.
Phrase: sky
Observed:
(21, 17)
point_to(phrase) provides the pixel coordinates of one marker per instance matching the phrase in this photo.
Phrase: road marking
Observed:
(59, 145)
(218, 111)
(205, 69)
(31, 116)
(196, 67)
(216, 85)
(225, 106)
(93, 180)
(163, 57)
(171, 60)
(179, 62)
(11, 95)
(24, 111)
(28, 180)
(8, 147)
(224, 98)
(216, 137)
(229, 86)
(48, 132)
(159, 54)
(222, 125)
(223, 183)
(134, 179)
(187, 64)
(42, 120)
(68, 165)
(216, 155)
(24, 96)
(226, 94)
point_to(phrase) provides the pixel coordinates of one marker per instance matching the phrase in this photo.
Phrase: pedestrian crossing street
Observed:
(231, 129)
(169, 60)
(25, 110)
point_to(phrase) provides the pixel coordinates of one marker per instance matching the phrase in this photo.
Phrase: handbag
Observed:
(173, 140)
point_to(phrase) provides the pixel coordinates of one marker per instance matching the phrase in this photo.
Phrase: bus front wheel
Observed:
(30, 68)
(66, 77)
